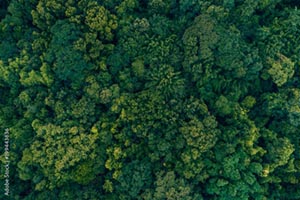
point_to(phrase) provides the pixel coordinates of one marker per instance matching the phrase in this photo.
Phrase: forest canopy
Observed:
(150, 100)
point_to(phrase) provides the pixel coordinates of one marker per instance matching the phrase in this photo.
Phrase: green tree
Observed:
(49, 160)
(100, 20)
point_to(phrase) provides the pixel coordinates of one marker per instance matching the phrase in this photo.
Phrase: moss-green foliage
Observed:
(154, 100)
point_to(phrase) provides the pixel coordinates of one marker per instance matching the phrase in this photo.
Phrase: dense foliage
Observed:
(153, 99)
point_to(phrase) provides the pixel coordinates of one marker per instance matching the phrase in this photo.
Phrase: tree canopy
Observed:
(150, 100)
